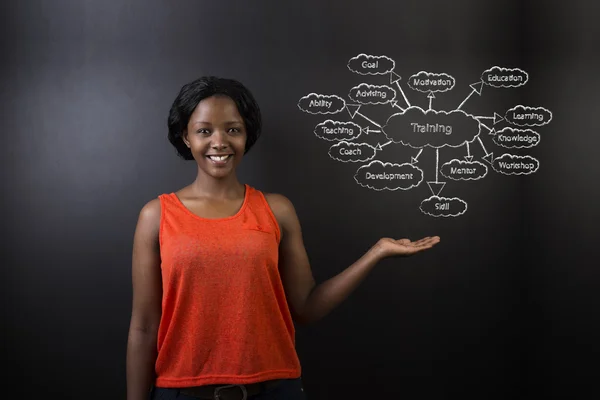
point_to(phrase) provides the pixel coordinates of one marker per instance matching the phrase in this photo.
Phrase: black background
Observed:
(505, 307)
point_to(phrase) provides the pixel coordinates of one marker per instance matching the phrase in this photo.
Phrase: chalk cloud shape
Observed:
(399, 128)
(507, 135)
(367, 152)
(480, 170)
(359, 64)
(510, 164)
(431, 76)
(539, 116)
(390, 94)
(488, 76)
(457, 206)
(353, 129)
(337, 103)
(377, 167)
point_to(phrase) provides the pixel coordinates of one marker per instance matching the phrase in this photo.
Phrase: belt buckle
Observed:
(242, 387)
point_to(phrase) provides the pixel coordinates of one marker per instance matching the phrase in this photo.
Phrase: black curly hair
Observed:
(192, 93)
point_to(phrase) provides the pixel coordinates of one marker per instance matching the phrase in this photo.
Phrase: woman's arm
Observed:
(146, 306)
(310, 302)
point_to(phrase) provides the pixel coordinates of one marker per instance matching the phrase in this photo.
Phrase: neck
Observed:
(225, 188)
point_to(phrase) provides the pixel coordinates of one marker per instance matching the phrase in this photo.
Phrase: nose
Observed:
(219, 140)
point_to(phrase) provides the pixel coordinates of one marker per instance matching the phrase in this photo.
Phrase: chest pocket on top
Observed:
(261, 232)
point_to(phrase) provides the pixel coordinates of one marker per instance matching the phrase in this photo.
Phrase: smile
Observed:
(219, 159)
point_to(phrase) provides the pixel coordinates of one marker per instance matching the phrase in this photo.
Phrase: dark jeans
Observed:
(288, 389)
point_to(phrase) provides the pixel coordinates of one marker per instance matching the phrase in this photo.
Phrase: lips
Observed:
(219, 159)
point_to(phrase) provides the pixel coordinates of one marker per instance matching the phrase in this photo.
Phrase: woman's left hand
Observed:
(388, 247)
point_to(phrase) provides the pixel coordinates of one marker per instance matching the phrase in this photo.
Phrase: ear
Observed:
(184, 136)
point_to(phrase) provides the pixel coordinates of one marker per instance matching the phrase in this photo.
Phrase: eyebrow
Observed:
(208, 123)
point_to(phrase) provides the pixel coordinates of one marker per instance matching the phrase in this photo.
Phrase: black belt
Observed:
(229, 392)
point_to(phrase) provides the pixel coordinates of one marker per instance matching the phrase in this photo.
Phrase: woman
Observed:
(219, 268)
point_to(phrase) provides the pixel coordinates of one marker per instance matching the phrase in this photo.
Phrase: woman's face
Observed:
(216, 135)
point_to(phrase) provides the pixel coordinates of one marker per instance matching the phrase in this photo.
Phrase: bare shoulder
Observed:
(278, 201)
(282, 207)
(150, 212)
(148, 223)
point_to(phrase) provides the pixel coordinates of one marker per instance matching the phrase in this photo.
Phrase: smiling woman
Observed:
(220, 272)
(246, 111)
(216, 133)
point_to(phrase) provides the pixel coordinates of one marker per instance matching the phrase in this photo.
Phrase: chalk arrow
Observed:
(437, 162)
(482, 146)
(497, 118)
(430, 96)
(415, 159)
(352, 109)
(492, 131)
(365, 117)
(477, 86)
(436, 187)
(366, 130)
(395, 78)
(381, 146)
(489, 158)
(394, 103)
(468, 157)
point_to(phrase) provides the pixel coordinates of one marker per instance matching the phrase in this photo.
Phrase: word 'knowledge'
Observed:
(419, 128)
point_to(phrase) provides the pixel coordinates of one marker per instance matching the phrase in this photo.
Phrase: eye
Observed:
(203, 131)
(234, 130)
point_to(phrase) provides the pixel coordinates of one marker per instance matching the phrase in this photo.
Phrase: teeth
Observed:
(221, 158)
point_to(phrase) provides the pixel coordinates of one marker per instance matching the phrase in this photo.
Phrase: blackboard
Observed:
(503, 307)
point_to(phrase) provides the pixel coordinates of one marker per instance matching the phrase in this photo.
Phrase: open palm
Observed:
(405, 247)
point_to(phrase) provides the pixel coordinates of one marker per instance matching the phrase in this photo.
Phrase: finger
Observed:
(423, 240)
(435, 240)
(429, 239)
(428, 243)
(426, 246)
(431, 242)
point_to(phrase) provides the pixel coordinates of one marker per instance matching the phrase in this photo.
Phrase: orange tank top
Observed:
(225, 318)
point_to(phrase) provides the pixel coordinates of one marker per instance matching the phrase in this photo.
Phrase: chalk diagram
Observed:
(423, 129)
